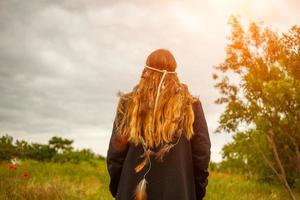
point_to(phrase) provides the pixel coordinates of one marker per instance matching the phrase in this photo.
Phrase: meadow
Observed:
(35, 180)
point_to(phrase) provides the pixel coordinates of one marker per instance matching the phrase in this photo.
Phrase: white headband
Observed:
(165, 72)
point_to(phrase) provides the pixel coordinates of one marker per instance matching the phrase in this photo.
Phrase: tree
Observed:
(22, 148)
(60, 145)
(7, 149)
(57, 150)
(41, 152)
(259, 83)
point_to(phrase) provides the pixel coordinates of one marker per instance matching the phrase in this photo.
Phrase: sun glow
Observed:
(245, 7)
(196, 18)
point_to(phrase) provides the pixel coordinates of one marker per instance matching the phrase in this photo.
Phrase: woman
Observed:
(160, 146)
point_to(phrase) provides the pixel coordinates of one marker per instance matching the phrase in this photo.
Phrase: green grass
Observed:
(55, 181)
(90, 181)
(228, 187)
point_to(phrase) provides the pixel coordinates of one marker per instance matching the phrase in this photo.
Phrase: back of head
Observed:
(162, 59)
(159, 108)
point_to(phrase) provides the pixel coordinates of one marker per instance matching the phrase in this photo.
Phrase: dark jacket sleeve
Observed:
(200, 144)
(114, 160)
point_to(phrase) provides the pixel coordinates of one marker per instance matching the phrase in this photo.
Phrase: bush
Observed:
(57, 150)
(7, 149)
(41, 152)
(74, 156)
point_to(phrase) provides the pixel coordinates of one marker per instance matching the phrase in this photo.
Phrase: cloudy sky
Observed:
(62, 62)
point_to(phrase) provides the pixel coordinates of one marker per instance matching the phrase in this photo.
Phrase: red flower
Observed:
(12, 167)
(26, 175)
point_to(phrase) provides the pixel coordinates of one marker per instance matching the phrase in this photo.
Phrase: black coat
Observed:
(181, 176)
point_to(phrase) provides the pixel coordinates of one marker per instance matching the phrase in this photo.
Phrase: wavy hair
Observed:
(174, 114)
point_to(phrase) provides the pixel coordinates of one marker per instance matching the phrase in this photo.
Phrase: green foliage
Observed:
(7, 149)
(61, 145)
(57, 150)
(23, 148)
(243, 156)
(262, 102)
(74, 156)
(41, 152)
(214, 166)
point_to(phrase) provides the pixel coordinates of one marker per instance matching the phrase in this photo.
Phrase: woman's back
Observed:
(159, 152)
(182, 175)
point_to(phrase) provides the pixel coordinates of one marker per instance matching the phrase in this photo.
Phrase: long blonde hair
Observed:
(174, 114)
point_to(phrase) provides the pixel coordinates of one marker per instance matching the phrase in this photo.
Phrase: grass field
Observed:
(35, 181)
